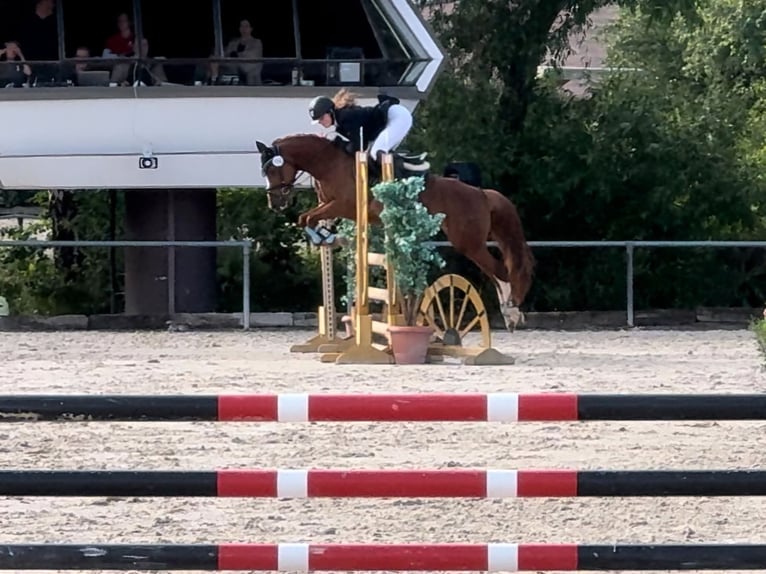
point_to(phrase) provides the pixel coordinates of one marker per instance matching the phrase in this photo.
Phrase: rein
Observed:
(284, 185)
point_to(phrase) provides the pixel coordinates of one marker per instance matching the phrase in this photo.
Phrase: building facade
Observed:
(93, 87)
(165, 99)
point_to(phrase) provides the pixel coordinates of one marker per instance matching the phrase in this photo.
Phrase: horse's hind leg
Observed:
(494, 268)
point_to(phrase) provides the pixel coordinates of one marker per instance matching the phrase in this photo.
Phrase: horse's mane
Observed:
(308, 147)
(309, 151)
(291, 137)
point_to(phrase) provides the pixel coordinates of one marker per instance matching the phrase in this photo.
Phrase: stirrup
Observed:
(412, 156)
(416, 167)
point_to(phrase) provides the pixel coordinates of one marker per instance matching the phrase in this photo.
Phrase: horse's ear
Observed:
(262, 147)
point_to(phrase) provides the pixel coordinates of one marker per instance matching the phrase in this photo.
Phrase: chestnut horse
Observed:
(472, 215)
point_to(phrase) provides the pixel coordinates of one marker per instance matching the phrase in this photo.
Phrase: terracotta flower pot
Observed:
(410, 343)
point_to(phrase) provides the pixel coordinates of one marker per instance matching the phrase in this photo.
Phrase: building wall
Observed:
(97, 143)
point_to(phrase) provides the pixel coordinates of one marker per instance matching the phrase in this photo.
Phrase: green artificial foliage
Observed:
(347, 230)
(408, 226)
(758, 326)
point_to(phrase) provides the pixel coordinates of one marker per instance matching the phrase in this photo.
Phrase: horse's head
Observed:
(280, 174)
(287, 158)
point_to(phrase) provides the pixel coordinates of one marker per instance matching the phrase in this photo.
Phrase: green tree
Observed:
(34, 281)
(478, 108)
(284, 270)
(670, 152)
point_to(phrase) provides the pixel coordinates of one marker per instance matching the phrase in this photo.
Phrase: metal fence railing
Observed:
(630, 247)
(246, 247)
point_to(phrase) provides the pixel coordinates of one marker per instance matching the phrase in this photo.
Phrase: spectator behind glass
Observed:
(40, 32)
(82, 52)
(39, 36)
(12, 69)
(73, 70)
(120, 43)
(245, 46)
(151, 74)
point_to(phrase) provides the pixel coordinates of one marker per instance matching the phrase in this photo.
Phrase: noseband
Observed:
(273, 158)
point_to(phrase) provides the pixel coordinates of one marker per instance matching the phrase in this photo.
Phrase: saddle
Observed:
(405, 165)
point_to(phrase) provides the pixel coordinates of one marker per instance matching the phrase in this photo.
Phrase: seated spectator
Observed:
(148, 74)
(13, 70)
(203, 72)
(245, 46)
(86, 73)
(82, 52)
(121, 42)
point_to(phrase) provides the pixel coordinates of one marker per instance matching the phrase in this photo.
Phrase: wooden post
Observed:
(363, 351)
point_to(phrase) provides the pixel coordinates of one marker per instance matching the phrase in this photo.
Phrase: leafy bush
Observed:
(673, 152)
(758, 327)
(284, 271)
(408, 225)
(35, 280)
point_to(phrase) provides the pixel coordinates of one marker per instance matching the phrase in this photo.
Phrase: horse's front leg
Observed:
(330, 210)
(303, 217)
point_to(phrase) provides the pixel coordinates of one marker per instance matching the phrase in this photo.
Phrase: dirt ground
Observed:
(259, 362)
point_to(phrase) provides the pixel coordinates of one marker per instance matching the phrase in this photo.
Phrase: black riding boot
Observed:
(375, 168)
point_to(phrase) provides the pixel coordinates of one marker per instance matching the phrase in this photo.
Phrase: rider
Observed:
(385, 124)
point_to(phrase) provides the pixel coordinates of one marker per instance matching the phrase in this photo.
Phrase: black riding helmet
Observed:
(319, 106)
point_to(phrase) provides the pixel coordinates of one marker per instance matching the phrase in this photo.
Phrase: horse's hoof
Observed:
(513, 317)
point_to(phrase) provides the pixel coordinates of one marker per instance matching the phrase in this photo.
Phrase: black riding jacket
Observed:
(372, 119)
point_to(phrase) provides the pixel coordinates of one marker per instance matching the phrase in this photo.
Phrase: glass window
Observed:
(340, 30)
(178, 29)
(33, 26)
(93, 26)
(328, 24)
(343, 32)
(253, 30)
(10, 22)
(393, 48)
(391, 45)
(29, 32)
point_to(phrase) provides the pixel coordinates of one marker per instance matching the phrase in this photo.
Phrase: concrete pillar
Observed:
(160, 281)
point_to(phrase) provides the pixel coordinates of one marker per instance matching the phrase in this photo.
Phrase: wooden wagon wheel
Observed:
(453, 307)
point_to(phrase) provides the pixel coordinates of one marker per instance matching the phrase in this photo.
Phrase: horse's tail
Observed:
(507, 230)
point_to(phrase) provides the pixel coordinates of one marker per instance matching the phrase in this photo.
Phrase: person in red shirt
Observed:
(121, 43)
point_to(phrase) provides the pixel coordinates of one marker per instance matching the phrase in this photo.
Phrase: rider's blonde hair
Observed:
(344, 98)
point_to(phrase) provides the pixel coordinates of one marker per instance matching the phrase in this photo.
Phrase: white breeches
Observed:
(399, 124)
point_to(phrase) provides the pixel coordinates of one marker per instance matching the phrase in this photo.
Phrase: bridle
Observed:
(272, 157)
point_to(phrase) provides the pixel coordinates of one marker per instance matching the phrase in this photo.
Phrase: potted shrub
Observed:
(408, 225)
